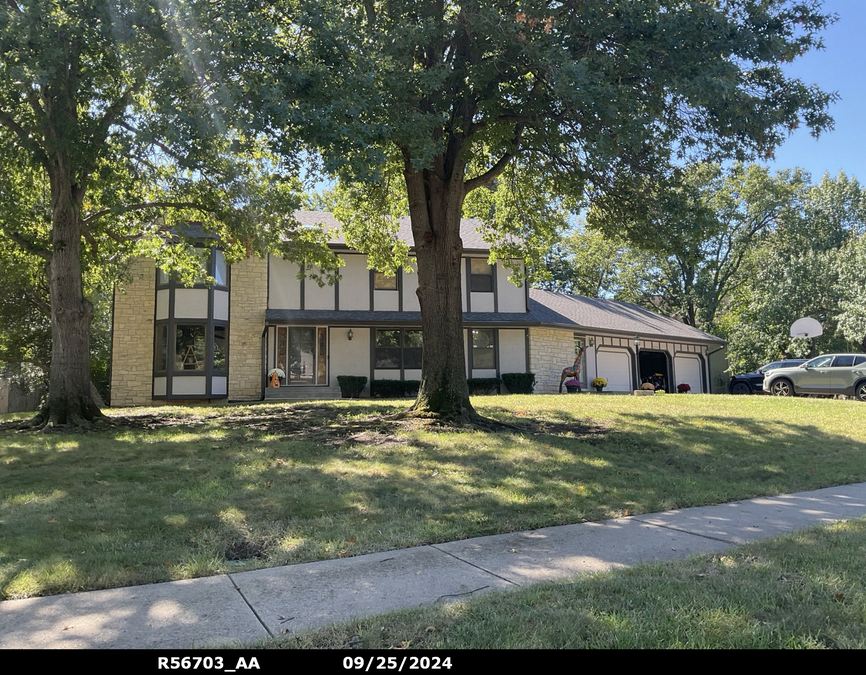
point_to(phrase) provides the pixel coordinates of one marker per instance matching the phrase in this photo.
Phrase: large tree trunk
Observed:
(69, 400)
(435, 208)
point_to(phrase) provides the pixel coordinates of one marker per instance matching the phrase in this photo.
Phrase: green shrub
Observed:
(394, 388)
(480, 386)
(519, 383)
(351, 386)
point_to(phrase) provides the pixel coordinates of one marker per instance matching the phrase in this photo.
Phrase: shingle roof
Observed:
(609, 315)
(469, 229)
(389, 317)
(545, 309)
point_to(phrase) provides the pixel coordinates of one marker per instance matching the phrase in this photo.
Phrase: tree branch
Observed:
(162, 146)
(29, 246)
(488, 176)
(114, 110)
(24, 137)
(141, 207)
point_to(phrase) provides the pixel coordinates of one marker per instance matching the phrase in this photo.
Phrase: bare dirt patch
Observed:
(325, 424)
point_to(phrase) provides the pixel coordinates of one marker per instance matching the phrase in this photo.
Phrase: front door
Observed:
(302, 353)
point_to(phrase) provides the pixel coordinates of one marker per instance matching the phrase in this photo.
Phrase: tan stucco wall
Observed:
(132, 339)
(249, 290)
(550, 350)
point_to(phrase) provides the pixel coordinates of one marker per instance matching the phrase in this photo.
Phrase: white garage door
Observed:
(615, 367)
(688, 369)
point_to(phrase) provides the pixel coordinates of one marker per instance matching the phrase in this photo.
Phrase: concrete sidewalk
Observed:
(240, 608)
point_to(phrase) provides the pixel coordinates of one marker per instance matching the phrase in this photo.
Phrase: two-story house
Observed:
(220, 342)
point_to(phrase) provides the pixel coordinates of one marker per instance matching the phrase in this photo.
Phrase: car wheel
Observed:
(782, 388)
(741, 388)
(860, 392)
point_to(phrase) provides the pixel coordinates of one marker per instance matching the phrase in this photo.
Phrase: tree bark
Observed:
(69, 399)
(435, 209)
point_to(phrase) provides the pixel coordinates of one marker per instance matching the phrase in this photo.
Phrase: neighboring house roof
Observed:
(609, 315)
(470, 229)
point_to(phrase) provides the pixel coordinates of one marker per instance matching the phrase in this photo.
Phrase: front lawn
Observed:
(184, 492)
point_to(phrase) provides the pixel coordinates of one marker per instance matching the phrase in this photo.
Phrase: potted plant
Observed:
(599, 383)
(683, 388)
(572, 386)
(276, 375)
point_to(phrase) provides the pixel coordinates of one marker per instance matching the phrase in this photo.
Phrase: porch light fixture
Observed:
(350, 335)
(592, 342)
(637, 343)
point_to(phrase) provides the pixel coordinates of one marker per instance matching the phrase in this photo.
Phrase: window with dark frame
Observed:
(480, 276)
(483, 349)
(192, 347)
(396, 349)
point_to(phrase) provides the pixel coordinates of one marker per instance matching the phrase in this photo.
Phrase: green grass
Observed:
(204, 490)
(802, 591)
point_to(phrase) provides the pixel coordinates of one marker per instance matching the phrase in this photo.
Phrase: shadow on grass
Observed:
(238, 489)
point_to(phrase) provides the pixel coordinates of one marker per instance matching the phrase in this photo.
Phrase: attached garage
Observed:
(625, 344)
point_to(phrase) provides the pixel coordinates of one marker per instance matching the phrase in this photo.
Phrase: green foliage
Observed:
(115, 136)
(351, 386)
(393, 388)
(516, 114)
(694, 249)
(807, 267)
(482, 386)
(519, 383)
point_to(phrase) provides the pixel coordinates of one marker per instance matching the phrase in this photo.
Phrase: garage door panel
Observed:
(687, 369)
(615, 367)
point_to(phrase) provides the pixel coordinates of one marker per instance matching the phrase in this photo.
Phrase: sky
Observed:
(840, 67)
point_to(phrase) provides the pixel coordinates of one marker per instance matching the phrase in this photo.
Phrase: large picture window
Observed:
(190, 347)
(398, 349)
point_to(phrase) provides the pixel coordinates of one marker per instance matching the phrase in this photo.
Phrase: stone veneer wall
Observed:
(550, 350)
(249, 299)
(132, 336)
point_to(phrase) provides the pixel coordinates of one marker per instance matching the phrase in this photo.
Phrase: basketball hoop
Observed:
(807, 327)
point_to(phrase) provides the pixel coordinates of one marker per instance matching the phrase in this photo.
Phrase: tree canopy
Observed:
(110, 134)
(578, 99)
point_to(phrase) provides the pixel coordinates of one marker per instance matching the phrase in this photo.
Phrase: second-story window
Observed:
(480, 276)
(385, 283)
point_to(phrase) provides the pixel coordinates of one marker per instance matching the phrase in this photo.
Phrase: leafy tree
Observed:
(704, 233)
(108, 139)
(807, 267)
(589, 263)
(585, 98)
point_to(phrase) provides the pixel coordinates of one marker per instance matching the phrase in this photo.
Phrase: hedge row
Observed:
(517, 383)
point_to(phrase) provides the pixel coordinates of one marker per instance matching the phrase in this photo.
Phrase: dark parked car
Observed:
(751, 383)
(824, 375)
